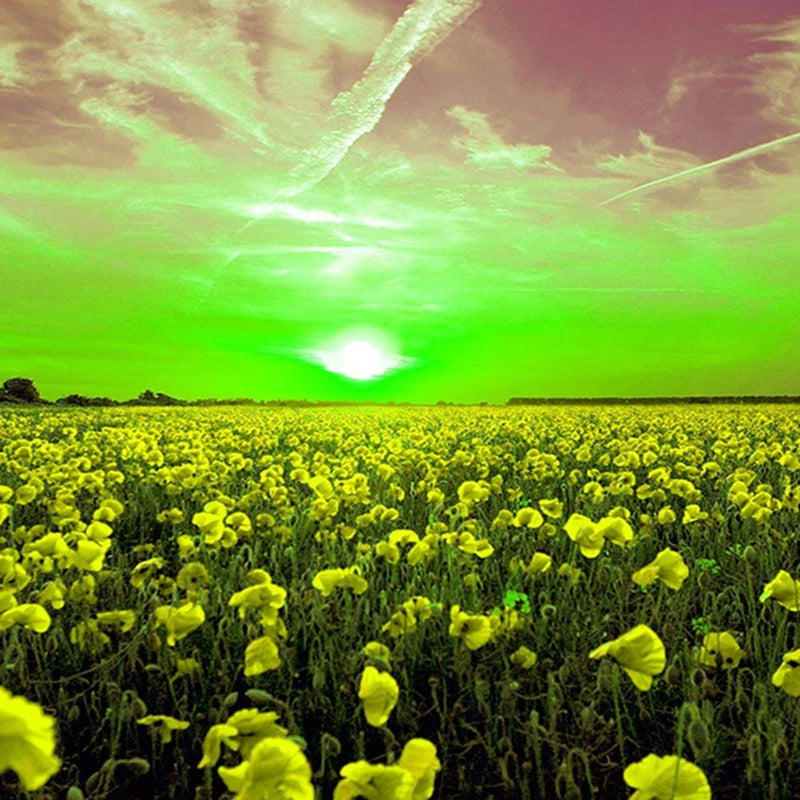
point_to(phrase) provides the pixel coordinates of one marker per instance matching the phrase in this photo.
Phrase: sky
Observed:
(406, 200)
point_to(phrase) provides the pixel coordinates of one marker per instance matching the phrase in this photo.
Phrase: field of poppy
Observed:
(400, 603)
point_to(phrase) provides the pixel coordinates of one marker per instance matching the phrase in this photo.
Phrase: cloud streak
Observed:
(750, 152)
(356, 112)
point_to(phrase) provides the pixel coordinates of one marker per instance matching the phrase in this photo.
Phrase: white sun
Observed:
(360, 360)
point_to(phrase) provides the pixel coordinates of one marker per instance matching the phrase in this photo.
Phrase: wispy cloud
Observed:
(486, 148)
(356, 112)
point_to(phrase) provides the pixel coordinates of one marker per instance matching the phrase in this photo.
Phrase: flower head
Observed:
(666, 778)
(787, 676)
(165, 725)
(276, 769)
(474, 629)
(639, 652)
(784, 590)
(27, 741)
(720, 649)
(668, 566)
(379, 693)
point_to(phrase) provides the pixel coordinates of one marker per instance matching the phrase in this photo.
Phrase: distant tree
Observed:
(73, 400)
(22, 390)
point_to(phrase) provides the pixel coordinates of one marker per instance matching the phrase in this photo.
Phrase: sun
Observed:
(360, 361)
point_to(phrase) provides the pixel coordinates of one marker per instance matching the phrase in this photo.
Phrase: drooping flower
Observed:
(668, 566)
(616, 529)
(261, 655)
(374, 782)
(585, 534)
(419, 758)
(639, 652)
(474, 629)
(181, 621)
(787, 676)
(783, 590)
(27, 741)
(29, 615)
(523, 657)
(379, 693)
(164, 724)
(377, 650)
(720, 649)
(551, 508)
(328, 579)
(666, 778)
(539, 563)
(276, 769)
(123, 618)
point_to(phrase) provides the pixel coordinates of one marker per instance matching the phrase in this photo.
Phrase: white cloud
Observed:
(486, 148)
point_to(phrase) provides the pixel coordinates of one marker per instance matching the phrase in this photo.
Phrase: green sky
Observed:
(214, 198)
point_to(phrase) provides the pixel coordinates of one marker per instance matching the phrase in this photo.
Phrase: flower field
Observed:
(400, 603)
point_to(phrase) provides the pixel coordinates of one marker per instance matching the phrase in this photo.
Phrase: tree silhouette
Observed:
(22, 390)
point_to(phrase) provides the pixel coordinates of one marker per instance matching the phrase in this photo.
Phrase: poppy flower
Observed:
(784, 590)
(27, 741)
(379, 693)
(666, 778)
(474, 629)
(787, 676)
(639, 652)
(668, 566)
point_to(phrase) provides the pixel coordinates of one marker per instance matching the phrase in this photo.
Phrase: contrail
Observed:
(740, 156)
(423, 26)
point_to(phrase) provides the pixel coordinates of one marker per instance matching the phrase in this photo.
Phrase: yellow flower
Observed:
(668, 565)
(165, 725)
(253, 726)
(144, 570)
(89, 555)
(87, 635)
(186, 546)
(474, 629)
(377, 650)
(276, 769)
(25, 494)
(524, 657)
(639, 652)
(527, 517)
(181, 621)
(472, 492)
(585, 534)
(615, 529)
(787, 676)
(187, 667)
(29, 615)
(211, 521)
(328, 579)
(666, 516)
(192, 577)
(419, 758)
(693, 513)
(784, 590)
(666, 778)
(403, 536)
(539, 563)
(374, 782)
(212, 743)
(379, 693)
(720, 649)
(551, 508)
(27, 741)
(261, 655)
(124, 618)
(389, 551)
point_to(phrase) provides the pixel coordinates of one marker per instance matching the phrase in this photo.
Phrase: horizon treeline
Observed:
(23, 391)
